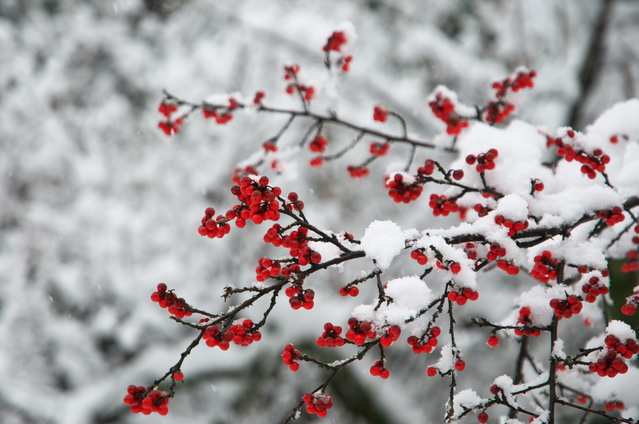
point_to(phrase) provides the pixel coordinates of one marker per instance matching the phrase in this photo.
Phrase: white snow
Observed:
(382, 241)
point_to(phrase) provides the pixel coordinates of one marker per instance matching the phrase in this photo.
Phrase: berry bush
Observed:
(543, 210)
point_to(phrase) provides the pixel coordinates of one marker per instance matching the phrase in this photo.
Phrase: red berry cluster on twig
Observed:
(631, 303)
(611, 360)
(484, 161)
(259, 201)
(403, 189)
(139, 401)
(426, 343)
(632, 262)
(177, 306)
(358, 331)
(317, 403)
(331, 336)
(593, 288)
(380, 113)
(349, 291)
(319, 143)
(292, 73)
(566, 308)
(545, 268)
(420, 256)
(444, 109)
(442, 206)
(591, 162)
(513, 226)
(213, 227)
(290, 356)
(390, 335)
(612, 216)
(300, 298)
(463, 295)
(357, 171)
(379, 149)
(379, 369)
(525, 321)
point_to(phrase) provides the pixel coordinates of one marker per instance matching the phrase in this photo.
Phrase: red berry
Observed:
(460, 365)
(493, 341)
(482, 417)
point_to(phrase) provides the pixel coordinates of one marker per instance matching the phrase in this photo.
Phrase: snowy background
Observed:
(97, 206)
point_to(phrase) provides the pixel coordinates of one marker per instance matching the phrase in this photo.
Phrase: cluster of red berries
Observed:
(331, 336)
(591, 163)
(240, 172)
(495, 252)
(220, 117)
(357, 171)
(319, 143)
(441, 205)
(481, 210)
(568, 307)
(631, 303)
(444, 109)
(513, 226)
(171, 127)
(401, 191)
(419, 256)
(269, 146)
(306, 91)
(241, 334)
(427, 169)
(508, 266)
(611, 406)
(426, 343)
(290, 356)
(390, 335)
(300, 298)
(521, 79)
(139, 401)
(524, 320)
(611, 360)
(335, 42)
(168, 126)
(497, 112)
(612, 216)
(352, 291)
(358, 331)
(167, 108)
(484, 161)
(632, 263)
(593, 288)
(267, 268)
(297, 243)
(379, 149)
(259, 96)
(294, 203)
(463, 295)
(213, 227)
(378, 369)
(167, 299)
(258, 201)
(317, 403)
(545, 268)
(380, 113)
